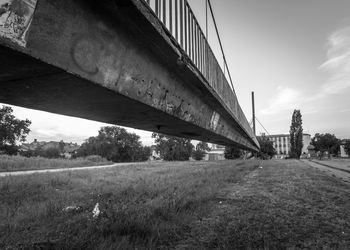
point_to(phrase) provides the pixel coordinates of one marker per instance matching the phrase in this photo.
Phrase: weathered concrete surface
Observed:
(111, 62)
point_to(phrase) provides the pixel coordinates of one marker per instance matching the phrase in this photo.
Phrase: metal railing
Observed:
(179, 19)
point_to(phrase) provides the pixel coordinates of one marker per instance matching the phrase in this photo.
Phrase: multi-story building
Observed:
(281, 142)
(342, 149)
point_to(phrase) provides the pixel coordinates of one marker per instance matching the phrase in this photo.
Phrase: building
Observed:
(155, 154)
(311, 151)
(281, 143)
(216, 153)
(342, 149)
(66, 149)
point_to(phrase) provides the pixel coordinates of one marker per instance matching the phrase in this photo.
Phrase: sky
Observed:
(292, 54)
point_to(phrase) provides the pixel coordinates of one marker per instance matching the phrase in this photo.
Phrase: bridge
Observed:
(137, 63)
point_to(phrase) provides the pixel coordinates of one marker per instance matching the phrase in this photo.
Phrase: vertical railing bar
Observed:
(164, 12)
(201, 52)
(198, 49)
(194, 40)
(197, 44)
(211, 69)
(193, 37)
(185, 28)
(156, 9)
(203, 56)
(181, 23)
(190, 35)
(198, 55)
(208, 61)
(171, 16)
(176, 20)
(160, 9)
(189, 32)
(192, 43)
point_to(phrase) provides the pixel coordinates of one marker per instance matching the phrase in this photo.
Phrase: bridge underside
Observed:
(110, 62)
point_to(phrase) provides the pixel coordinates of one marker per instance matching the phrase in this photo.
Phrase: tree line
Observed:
(116, 144)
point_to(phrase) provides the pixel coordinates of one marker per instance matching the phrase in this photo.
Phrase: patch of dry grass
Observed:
(10, 163)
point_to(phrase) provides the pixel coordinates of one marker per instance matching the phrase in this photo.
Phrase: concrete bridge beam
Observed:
(110, 61)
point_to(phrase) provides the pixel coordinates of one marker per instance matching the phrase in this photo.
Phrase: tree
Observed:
(115, 144)
(203, 146)
(266, 147)
(347, 146)
(326, 142)
(199, 153)
(173, 148)
(11, 130)
(296, 135)
(61, 145)
(50, 153)
(232, 152)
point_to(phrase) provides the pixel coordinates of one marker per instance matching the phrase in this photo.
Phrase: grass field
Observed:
(180, 205)
(10, 163)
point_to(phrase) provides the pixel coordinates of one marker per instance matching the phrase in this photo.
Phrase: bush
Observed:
(115, 144)
(198, 154)
(9, 149)
(94, 158)
(232, 152)
(51, 153)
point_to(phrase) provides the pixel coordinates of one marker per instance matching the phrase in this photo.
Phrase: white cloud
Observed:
(285, 99)
(338, 62)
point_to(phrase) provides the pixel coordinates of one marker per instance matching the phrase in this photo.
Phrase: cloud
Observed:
(286, 99)
(337, 64)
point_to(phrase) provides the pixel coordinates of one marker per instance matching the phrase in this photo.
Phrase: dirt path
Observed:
(330, 170)
(15, 173)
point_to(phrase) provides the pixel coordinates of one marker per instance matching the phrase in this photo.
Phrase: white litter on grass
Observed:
(96, 212)
(72, 209)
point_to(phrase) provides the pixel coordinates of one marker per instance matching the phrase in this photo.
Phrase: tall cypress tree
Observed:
(296, 135)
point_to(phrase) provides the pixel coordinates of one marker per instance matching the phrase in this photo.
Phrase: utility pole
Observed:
(253, 107)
